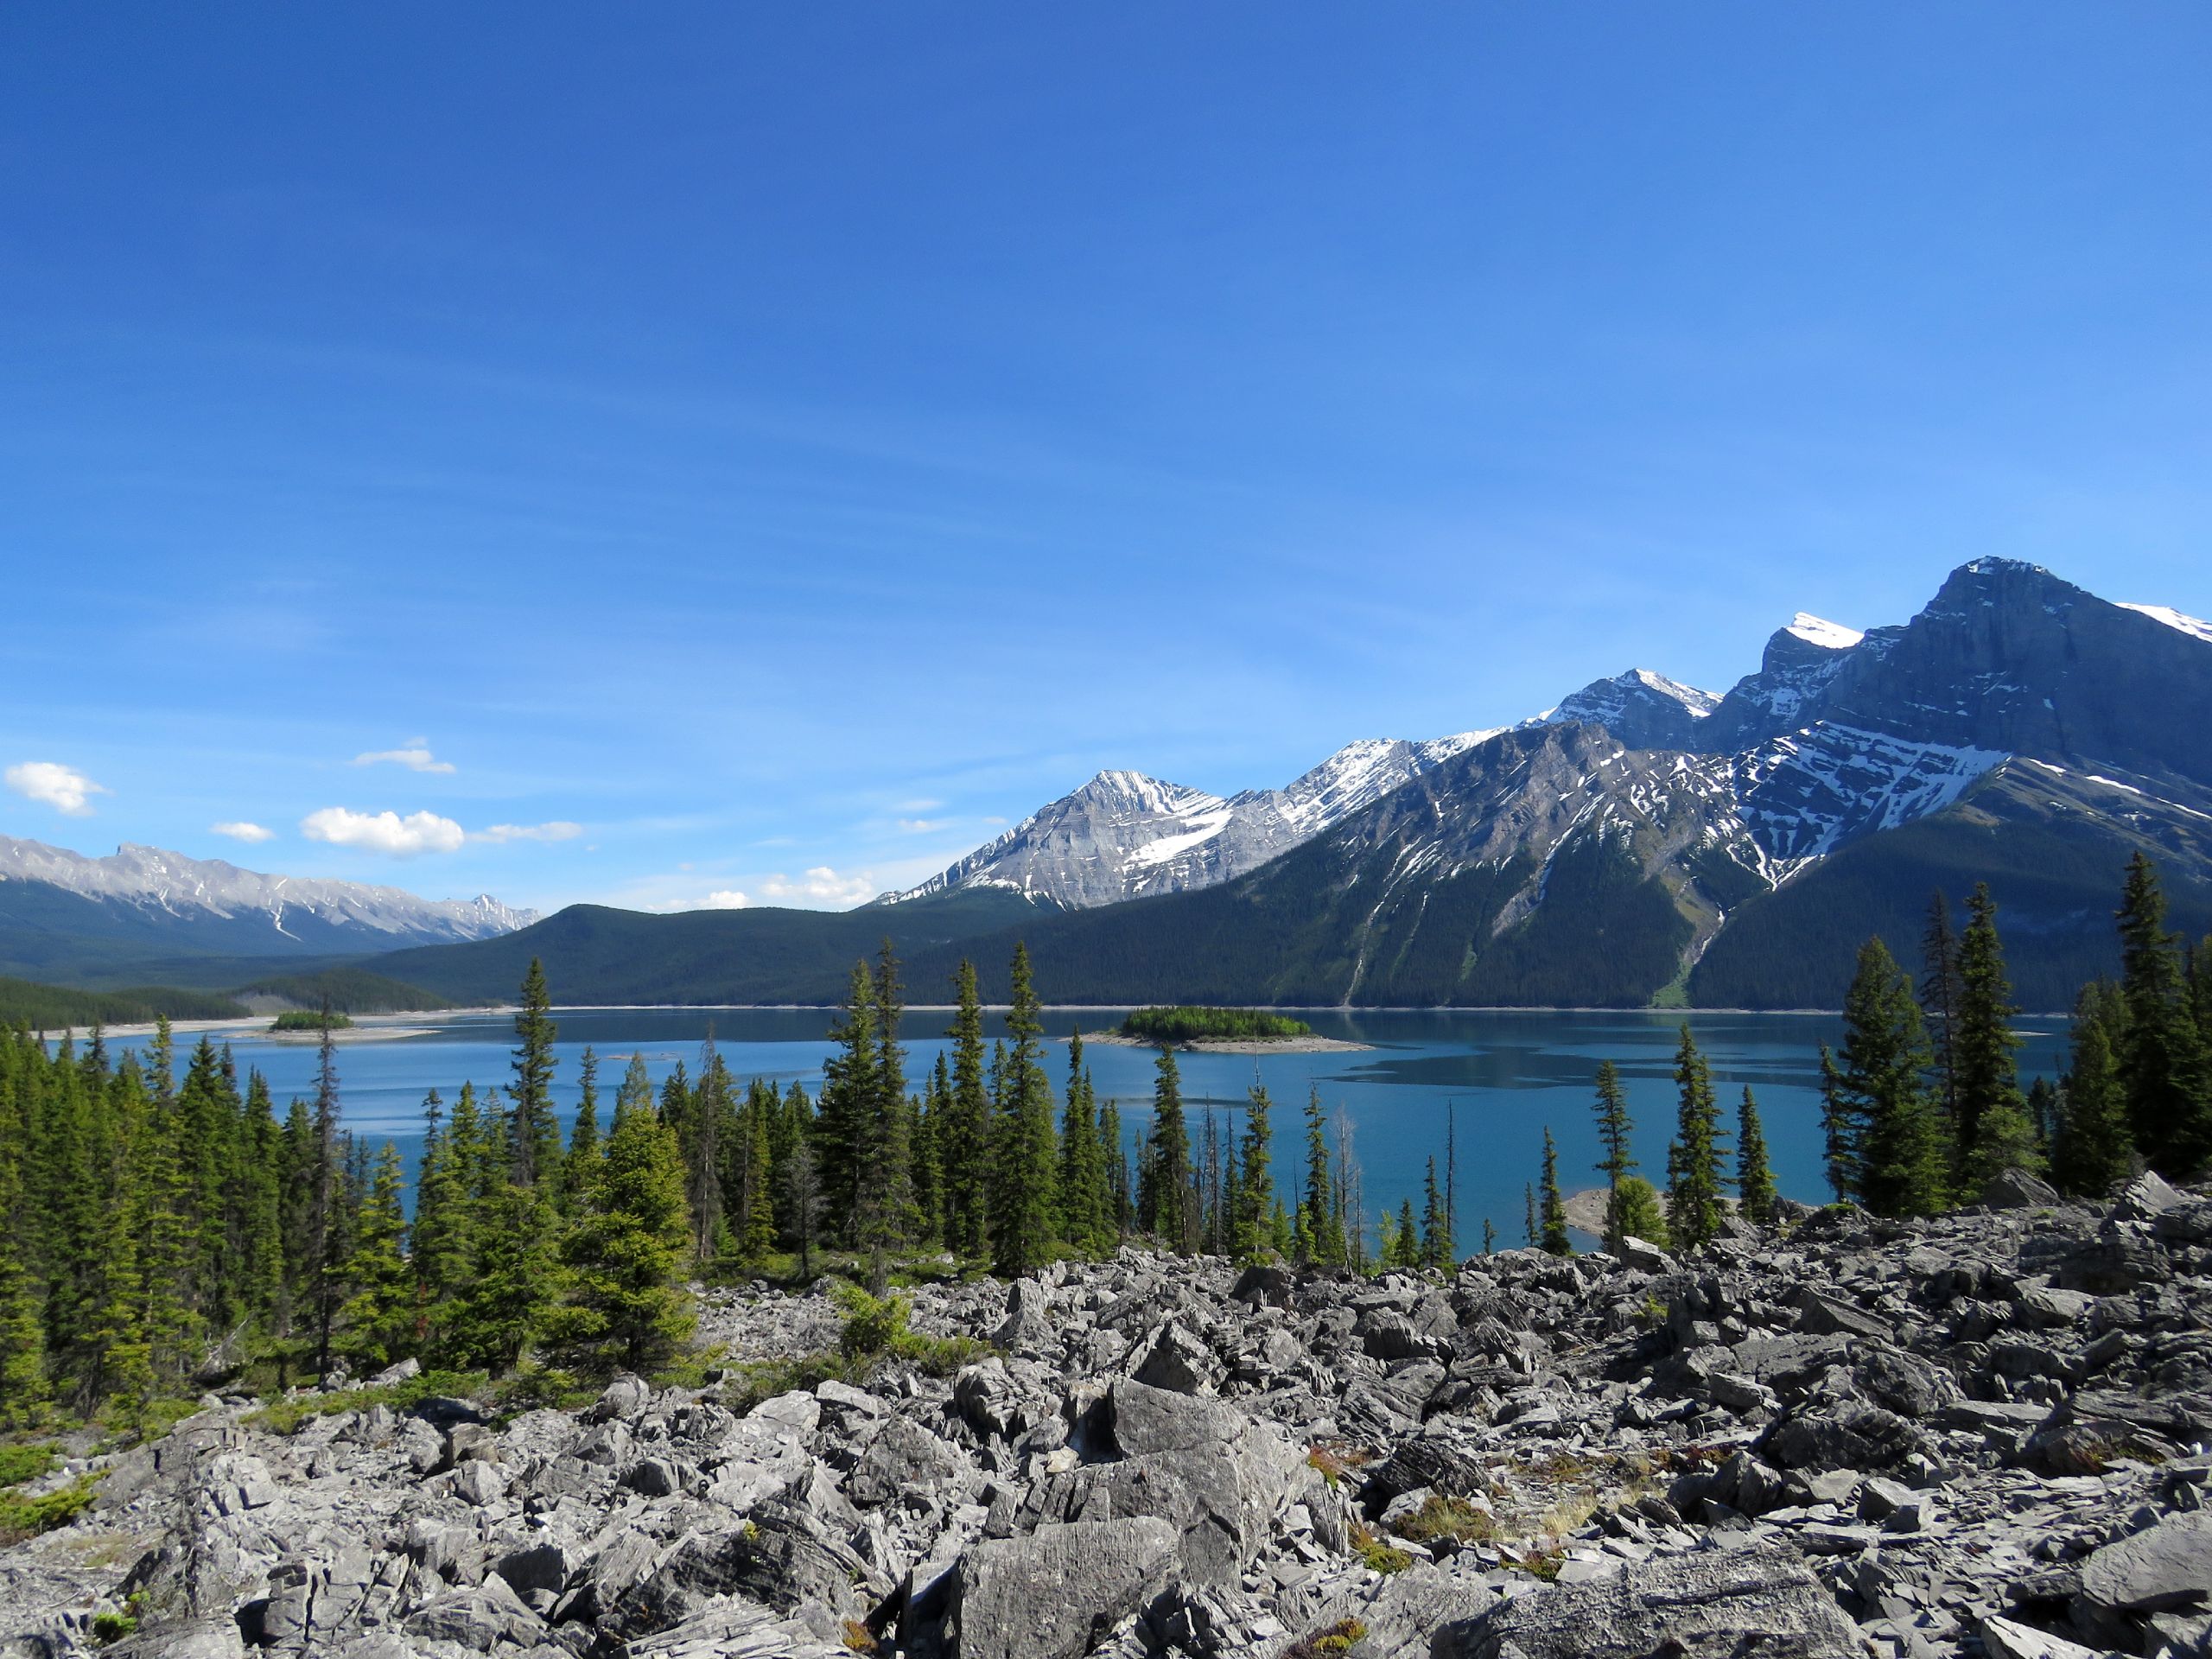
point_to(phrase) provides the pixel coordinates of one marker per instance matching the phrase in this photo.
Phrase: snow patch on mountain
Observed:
(2193, 626)
(1819, 630)
(1804, 795)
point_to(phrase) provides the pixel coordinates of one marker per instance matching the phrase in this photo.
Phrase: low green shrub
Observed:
(20, 1463)
(286, 1416)
(26, 1517)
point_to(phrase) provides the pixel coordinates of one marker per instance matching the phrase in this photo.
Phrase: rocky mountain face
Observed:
(145, 900)
(1977, 1436)
(1642, 709)
(1126, 836)
(1646, 838)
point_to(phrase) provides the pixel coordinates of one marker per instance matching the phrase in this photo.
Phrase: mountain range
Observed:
(142, 914)
(1642, 841)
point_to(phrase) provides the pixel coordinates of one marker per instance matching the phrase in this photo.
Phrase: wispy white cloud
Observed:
(499, 834)
(414, 754)
(919, 806)
(919, 826)
(822, 886)
(383, 832)
(241, 830)
(65, 789)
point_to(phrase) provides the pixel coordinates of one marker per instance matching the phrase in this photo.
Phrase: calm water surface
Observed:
(1498, 1078)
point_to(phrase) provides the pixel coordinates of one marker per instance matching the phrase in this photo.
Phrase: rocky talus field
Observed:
(1980, 1434)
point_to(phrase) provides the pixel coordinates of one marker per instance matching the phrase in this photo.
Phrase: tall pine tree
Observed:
(1694, 1212)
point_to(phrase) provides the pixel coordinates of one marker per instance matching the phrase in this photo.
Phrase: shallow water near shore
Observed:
(1491, 1079)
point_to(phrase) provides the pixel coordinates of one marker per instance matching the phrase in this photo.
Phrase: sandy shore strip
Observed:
(365, 1028)
(1308, 1044)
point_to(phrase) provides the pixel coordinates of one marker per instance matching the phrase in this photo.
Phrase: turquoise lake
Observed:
(1498, 1077)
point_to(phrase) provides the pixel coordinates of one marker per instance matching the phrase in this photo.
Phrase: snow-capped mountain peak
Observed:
(1126, 834)
(1819, 630)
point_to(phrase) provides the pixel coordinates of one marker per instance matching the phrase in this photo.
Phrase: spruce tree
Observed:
(1022, 1211)
(625, 1309)
(581, 1160)
(703, 1133)
(1693, 1209)
(1253, 1205)
(442, 1240)
(537, 1132)
(847, 1108)
(1324, 1221)
(1843, 1133)
(22, 1327)
(802, 1202)
(1882, 1085)
(1642, 1216)
(1405, 1239)
(1120, 1198)
(2162, 1054)
(517, 1282)
(1990, 1115)
(380, 1317)
(1943, 994)
(1614, 1127)
(1083, 1172)
(1755, 1193)
(1167, 1163)
(1553, 1237)
(931, 1118)
(968, 1128)
(322, 1272)
(2094, 1151)
(890, 1218)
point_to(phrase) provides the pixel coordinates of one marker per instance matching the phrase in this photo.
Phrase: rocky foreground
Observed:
(1983, 1434)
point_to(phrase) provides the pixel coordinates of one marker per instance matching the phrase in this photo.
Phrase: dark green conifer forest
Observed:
(165, 1228)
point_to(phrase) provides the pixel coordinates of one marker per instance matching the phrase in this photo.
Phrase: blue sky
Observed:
(735, 442)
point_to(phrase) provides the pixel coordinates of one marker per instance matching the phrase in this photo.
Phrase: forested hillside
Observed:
(602, 955)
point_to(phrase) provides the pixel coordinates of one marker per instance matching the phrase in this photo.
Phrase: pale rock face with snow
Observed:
(148, 880)
(1126, 835)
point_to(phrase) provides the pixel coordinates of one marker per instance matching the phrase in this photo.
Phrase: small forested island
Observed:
(310, 1020)
(1186, 1025)
(1220, 1031)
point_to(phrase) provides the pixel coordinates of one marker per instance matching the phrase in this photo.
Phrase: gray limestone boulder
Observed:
(2015, 1189)
(1205, 1466)
(478, 1617)
(1180, 1361)
(1053, 1594)
(2161, 1568)
(1708, 1604)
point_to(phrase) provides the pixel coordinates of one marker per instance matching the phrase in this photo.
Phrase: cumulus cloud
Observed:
(241, 830)
(383, 832)
(60, 787)
(499, 834)
(821, 885)
(728, 899)
(414, 754)
(919, 826)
